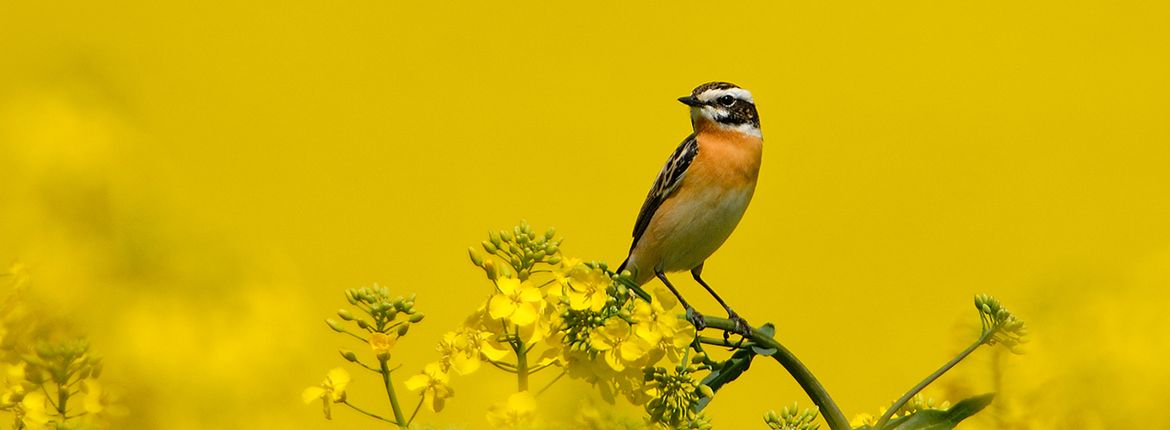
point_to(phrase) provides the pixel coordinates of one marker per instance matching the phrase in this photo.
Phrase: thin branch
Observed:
(550, 383)
(933, 376)
(812, 387)
(367, 413)
(507, 367)
(416, 408)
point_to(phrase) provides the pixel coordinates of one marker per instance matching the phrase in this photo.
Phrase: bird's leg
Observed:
(692, 316)
(742, 327)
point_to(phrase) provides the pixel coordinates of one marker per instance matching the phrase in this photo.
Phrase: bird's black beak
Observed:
(690, 101)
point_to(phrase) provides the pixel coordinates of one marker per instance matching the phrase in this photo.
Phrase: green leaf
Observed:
(728, 371)
(937, 419)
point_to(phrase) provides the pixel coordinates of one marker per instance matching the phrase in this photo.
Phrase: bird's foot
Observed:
(742, 327)
(696, 319)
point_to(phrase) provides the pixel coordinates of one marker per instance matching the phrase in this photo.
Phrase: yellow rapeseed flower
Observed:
(331, 390)
(461, 350)
(616, 341)
(34, 416)
(433, 384)
(13, 389)
(381, 343)
(518, 302)
(98, 400)
(587, 289)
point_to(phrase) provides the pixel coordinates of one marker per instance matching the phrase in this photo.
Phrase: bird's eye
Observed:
(727, 101)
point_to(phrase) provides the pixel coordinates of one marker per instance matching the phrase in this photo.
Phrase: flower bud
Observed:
(416, 318)
(345, 314)
(402, 330)
(348, 355)
(476, 259)
(333, 324)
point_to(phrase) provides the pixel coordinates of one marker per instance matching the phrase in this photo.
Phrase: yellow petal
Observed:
(381, 342)
(508, 285)
(338, 379)
(312, 393)
(417, 382)
(492, 352)
(530, 294)
(501, 306)
(464, 364)
(578, 301)
(612, 359)
(522, 403)
(524, 315)
(93, 396)
(598, 300)
(632, 350)
(647, 332)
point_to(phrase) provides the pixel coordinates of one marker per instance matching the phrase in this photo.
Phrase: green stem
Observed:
(363, 411)
(507, 367)
(933, 376)
(62, 400)
(398, 419)
(724, 343)
(521, 366)
(550, 383)
(812, 387)
(416, 408)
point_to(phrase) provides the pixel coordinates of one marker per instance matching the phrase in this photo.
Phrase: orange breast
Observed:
(727, 158)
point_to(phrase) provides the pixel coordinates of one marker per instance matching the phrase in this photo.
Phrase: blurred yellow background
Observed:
(193, 185)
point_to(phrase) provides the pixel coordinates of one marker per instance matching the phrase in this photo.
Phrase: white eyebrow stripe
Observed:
(738, 93)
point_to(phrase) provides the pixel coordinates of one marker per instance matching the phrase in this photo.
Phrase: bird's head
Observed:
(724, 105)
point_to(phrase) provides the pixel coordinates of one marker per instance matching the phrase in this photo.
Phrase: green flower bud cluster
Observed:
(792, 418)
(61, 363)
(920, 403)
(521, 248)
(50, 377)
(999, 324)
(386, 314)
(676, 397)
(576, 326)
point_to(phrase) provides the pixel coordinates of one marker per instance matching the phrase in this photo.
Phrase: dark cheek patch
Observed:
(741, 113)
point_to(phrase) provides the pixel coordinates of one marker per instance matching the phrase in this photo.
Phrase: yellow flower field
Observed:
(189, 191)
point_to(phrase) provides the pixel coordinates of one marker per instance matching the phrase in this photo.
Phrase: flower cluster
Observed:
(916, 404)
(546, 310)
(381, 320)
(675, 393)
(792, 418)
(999, 324)
(48, 384)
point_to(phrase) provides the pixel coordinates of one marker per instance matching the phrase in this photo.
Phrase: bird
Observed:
(701, 194)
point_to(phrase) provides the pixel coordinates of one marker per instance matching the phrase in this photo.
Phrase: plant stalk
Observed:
(398, 418)
(929, 379)
(521, 366)
(809, 383)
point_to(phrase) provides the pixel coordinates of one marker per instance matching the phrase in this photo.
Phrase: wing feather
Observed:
(668, 180)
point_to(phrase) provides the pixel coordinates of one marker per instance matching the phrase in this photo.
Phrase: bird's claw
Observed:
(741, 327)
(696, 319)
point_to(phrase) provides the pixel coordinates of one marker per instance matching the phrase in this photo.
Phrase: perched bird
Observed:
(701, 193)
